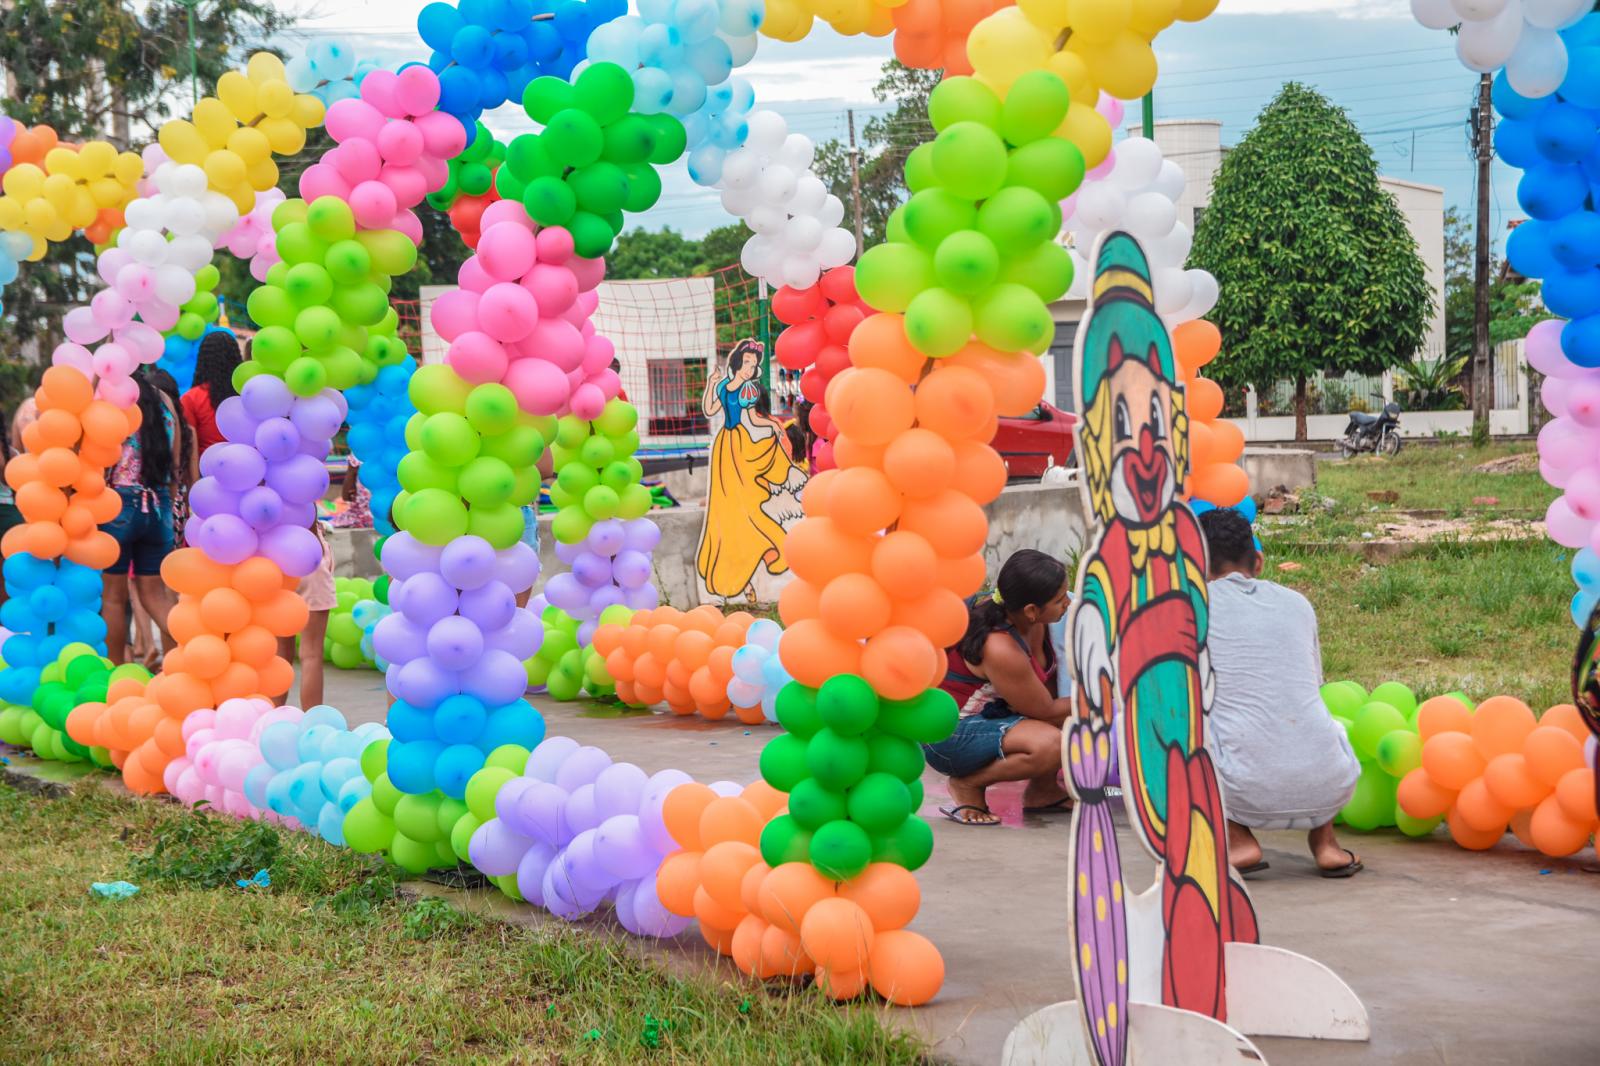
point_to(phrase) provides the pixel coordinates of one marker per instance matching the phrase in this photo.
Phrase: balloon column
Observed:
(378, 416)
(1382, 728)
(1497, 767)
(1215, 444)
(682, 658)
(820, 321)
(1517, 35)
(342, 646)
(78, 675)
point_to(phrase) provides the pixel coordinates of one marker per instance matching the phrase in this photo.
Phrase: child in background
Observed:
(318, 590)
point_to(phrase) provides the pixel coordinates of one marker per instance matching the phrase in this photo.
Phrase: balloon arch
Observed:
(910, 356)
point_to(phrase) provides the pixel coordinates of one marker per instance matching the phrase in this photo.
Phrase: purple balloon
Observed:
(566, 592)
(495, 849)
(606, 596)
(630, 568)
(589, 878)
(260, 506)
(235, 422)
(642, 535)
(266, 396)
(317, 417)
(497, 677)
(422, 682)
(607, 537)
(226, 539)
(397, 639)
(546, 759)
(591, 570)
(580, 810)
(643, 598)
(277, 439)
(518, 567)
(297, 551)
(238, 466)
(405, 555)
(299, 479)
(649, 916)
(521, 635)
(490, 607)
(316, 447)
(505, 804)
(618, 789)
(455, 643)
(424, 598)
(586, 632)
(207, 497)
(621, 850)
(299, 514)
(582, 767)
(531, 871)
(541, 812)
(468, 562)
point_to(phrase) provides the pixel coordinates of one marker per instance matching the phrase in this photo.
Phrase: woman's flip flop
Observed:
(1254, 868)
(1349, 869)
(1062, 804)
(954, 814)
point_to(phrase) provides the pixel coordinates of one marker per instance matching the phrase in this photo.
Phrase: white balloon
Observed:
(1173, 290)
(1173, 249)
(802, 234)
(1203, 292)
(743, 48)
(1170, 181)
(142, 214)
(767, 131)
(174, 284)
(767, 218)
(797, 152)
(221, 215)
(1539, 65)
(1101, 205)
(187, 179)
(148, 246)
(184, 215)
(809, 195)
(1150, 216)
(740, 169)
(777, 184)
(1434, 14)
(1139, 160)
(801, 272)
(738, 200)
(1479, 10)
(1485, 46)
(832, 212)
(1554, 14)
(190, 251)
(838, 247)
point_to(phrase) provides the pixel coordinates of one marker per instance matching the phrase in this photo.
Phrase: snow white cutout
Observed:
(754, 493)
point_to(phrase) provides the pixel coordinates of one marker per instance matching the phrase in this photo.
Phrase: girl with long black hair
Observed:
(214, 365)
(1003, 676)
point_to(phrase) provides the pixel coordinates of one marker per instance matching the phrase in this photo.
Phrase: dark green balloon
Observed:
(797, 710)
(836, 761)
(925, 719)
(545, 97)
(847, 705)
(785, 840)
(549, 201)
(475, 179)
(783, 760)
(840, 850)
(600, 187)
(670, 139)
(878, 803)
(814, 806)
(629, 140)
(908, 845)
(573, 138)
(890, 754)
(591, 234)
(604, 90)
(644, 188)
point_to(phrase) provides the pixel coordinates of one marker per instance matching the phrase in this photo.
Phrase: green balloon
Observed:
(919, 169)
(783, 762)
(528, 158)
(597, 451)
(908, 845)
(925, 719)
(934, 214)
(600, 187)
(889, 276)
(576, 479)
(546, 97)
(347, 262)
(601, 503)
(207, 277)
(375, 759)
(448, 438)
(412, 856)
(461, 836)
(785, 840)
(670, 139)
(331, 219)
(966, 262)
(1047, 270)
(501, 525)
(847, 705)
(1011, 318)
(1414, 827)
(361, 304)
(1034, 106)
(448, 812)
(475, 179)
(797, 710)
(573, 137)
(1397, 696)
(434, 517)
(963, 99)
(519, 446)
(895, 755)
(969, 159)
(1016, 219)
(492, 409)
(1399, 752)
(604, 90)
(879, 802)
(273, 349)
(636, 502)
(297, 244)
(549, 201)
(617, 475)
(511, 185)
(366, 830)
(1371, 724)
(894, 229)
(317, 327)
(1373, 803)
(938, 322)
(482, 787)
(270, 307)
(628, 140)
(571, 525)
(835, 760)
(1051, 167)
(840, 850)
(571, 432)
(190, 326)
(591, 234)
(385, 795)
(417, 817)
(288, 213)
(485, 482)
(814, 806)
(305, 376)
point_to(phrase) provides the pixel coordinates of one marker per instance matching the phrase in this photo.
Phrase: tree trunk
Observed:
(1300, 408)
(1482, 379)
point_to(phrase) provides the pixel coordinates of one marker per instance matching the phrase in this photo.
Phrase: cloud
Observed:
(1356, 9)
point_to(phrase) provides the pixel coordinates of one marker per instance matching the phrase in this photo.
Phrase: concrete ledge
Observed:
(1293, 468)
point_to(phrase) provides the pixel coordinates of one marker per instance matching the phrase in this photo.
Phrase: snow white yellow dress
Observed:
(739, 535)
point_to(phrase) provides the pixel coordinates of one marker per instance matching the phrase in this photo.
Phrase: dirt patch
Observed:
(1418, 529)
(1522, 463)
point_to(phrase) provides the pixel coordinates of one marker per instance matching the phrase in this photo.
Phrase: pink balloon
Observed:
(1109, 107)
(82, 326)
(555, 245)
(408, 224)
(136, 282)
(555, 287)
(143, 340)
(374, 204)
(1583, 494)
(381, 89)
(473, 276)
(1562, 443)
(1552, 475)
(508, 312)
(502, 211)
(121, 392)
(442, 133)
(400, 143)
(77, 357)
(539, 387)
(1581, 399)
(1543, 348)
(1565, 527)
(111, 262)
(506, 251)
(407, 182)
(113, 361)
(320, 179)
(598, 352)
(159, 315)
(608, 382)
(111, 309)
(351, 118)
(588, 401)
(418, 90)
(478, 358)
(1553, 391)
(454, 313)
(357, 160)
(434, 171)
(559, 342)
(194, 721)
(589, 272)
(1103, 169)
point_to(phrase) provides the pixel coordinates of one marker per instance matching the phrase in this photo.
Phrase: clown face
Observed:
(1143, 462)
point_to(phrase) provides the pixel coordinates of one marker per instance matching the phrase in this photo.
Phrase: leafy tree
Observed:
(644, 253)
(1514, 304)
(1316, 266)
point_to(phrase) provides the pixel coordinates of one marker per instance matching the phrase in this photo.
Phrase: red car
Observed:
(1043, 437)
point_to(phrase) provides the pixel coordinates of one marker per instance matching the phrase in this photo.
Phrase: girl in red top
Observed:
(213, 383)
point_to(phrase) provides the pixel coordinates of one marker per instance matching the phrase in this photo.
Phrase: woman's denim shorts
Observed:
(976, 743)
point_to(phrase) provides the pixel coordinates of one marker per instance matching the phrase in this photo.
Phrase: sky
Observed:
(1400, 83)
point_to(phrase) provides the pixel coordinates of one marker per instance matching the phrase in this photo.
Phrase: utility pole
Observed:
(194, 62)
(855, 181)
(1147, 113)
(1483, 146)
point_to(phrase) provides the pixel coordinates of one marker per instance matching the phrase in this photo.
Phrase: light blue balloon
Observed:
(256, 782)
(280, 745)
(353, 792)
(322, 714)
(330, 824)
(1586, 569)
(1583, 602)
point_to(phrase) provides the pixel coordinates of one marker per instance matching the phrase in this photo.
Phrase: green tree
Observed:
(1316, 267)
(1514, 303)
(645, 253)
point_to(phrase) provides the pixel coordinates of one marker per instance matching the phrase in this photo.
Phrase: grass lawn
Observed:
(330, 965)
(1487, 618)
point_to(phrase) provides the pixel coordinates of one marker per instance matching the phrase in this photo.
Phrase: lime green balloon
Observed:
(563, 683)
(491, 408)
(785, 840)
(605, 91)
(482, 787)
(894, 228)
(934, 214)
(385, 795)
(361, 304)
(969, 159)
(449, 439)
(317, 327)
(814, 806)
(270, 306)
(1343, 698)
(297, 244)
(783, 762)
(925, 719)
(963, 99)
(571, 525)
(412, 856)
(520, 446)
(847, 705)
(840, 850)
(1399, 752)
(634, 501)
(331, 219)
(908, 845)
(207, 277)
(1047, 270)
(597, 451)
(1414, 827)
(309, 284)
(571, 432)
(1017, 219)
(348, 262)
(417, 817)
(366, 830)
(1034, 106)
(375, 759)
(966, 262)
(545, 97)
(1372, 805)
(1397, 696)
(274, 348)
(190, 326)
(616, 418)
(392, 251)
(501, 525)
(461, 836)
(889, 276)
(305, 376)
(797, 710)
(484, 482)
(601, 503)
(434, 516)
(576, 479)
(1371, 724)
(1051, 166)
(617, 475)
(1012, 318)
(513, 757)
(919, 169)
(938, 322)
(288, 213)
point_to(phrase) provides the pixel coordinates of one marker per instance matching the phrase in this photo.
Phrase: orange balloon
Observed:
(1196, 343)
(252, 645)
(1553, 833)
(872, 406)
(123, 688)
(1500, 725)
(904, 564)
(1220, 483)
(722, 870)
(1017, 379)
(720, 664)
(750, 715)
(676, 880)
(1470, 838)
(750, 886)
(1479, 809)
(663, 641)
(955, 402)
(284, 614)
(677, 676)
(898, 663)
(1205, 399)
(1512, 783)
(837, 984)
(951, 523)
(168, 735)
(224, 610)
(237, 681)
(104, 423)
(746, 946)
(1442, 714)
(721, 940)
(939, 614)
(980, 472)
(814, 497)
(788, 893)
(782, 954)
(880, 341)
(39, 502)
(854, 606)
(812, 653)
(21, 469)
(43, 539)
(767, 800)
(838, 934)
(1575, 793)
(907, 969)
(1551, 752)
(98, 550)
(729, 634)
(1452, 760)
(635, 640)
(713, 912)
(648, 671)
(188, 571)
(849, 452)
(1421, 798)
(143, 781)
(729, 818)
(888, 893)
(68, 389)
(919, 463)
(693, 648)
(1228, 440)
(1201, 444)
(681, 812)
(963, 576)
(184, 621)
(863, 501)
(58, 429)
(58, 466)
(1566, 716)
(706, 693)
(84, 513)
(257, 577)
(819, 550)
(607, 638)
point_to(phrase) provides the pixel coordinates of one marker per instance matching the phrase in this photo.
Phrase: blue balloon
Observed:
(330, 825)
(1572, 294)
(411, 765)
(1580, 342)
(408, 723)
(1585, 31)
(1552, 191)
(1511, 103)
(1514, 141)
(1582, 83)
(437, 25)
(1564, 133)
(1575, 243)
(1583, 603)
(455, 767)
(512, 723)
(1528, 249)
(459, 720)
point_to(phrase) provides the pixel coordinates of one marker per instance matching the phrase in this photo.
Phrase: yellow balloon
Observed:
(224, 170)
(1049, 15)
(214, 121)
(1074, 73)
(238, 94)
(1088, 129)
(250, 145)
(307, 111)
(36, 253)
(10, 214)
(182, 142)
(1100, 20)
(786, 20)
(1195, 10)
(128, 169)
(39, 215)
(107, 192)
(284, 135)
(275, 98)
(243, 197)
(881, 24)
(1150, 17)
(262, 175)
(1125, 67)
(265, 67)
(63, 161)
(81, 212)
(58, 189)
(1005, 46)
(96, 158)
(24, 181)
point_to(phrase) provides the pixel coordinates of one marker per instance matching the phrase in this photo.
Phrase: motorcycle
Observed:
(1379, 433)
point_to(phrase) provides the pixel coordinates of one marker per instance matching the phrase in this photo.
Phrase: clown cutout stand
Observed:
(1177, 973)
